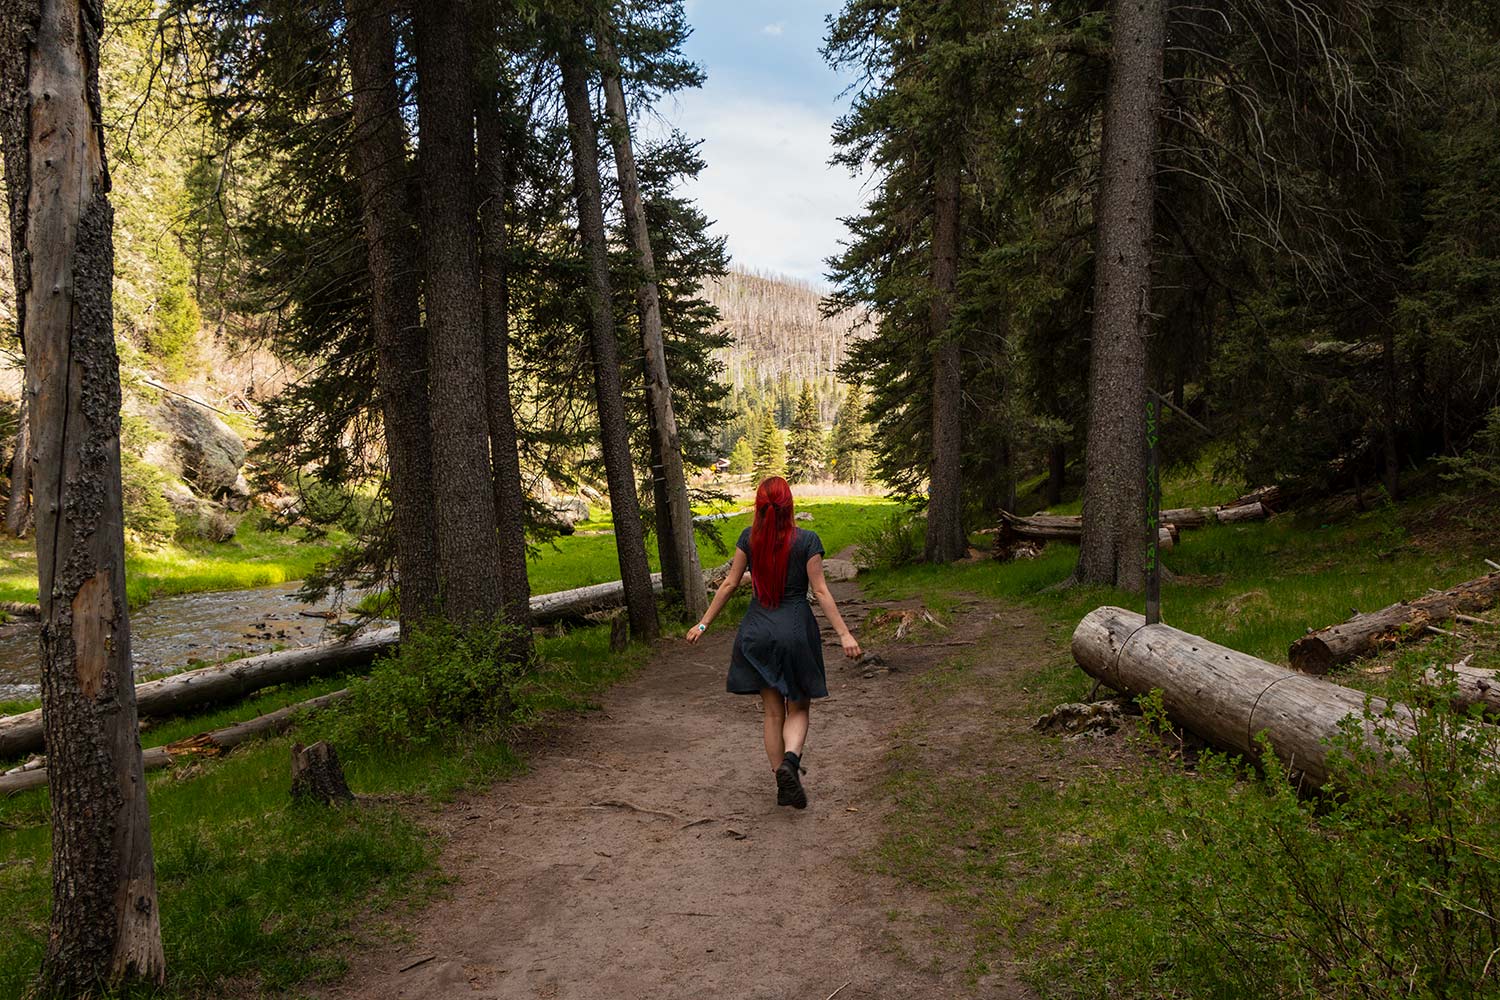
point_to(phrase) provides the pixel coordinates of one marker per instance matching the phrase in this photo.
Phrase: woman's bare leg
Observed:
(794, 731)
(773, 708)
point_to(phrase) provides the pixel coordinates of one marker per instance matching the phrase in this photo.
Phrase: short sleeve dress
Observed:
(781, 647)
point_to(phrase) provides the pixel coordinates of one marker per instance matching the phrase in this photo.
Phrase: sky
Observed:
(765, 116)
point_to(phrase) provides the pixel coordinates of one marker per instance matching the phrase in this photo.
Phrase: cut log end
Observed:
(1311, 655)
(317, 775)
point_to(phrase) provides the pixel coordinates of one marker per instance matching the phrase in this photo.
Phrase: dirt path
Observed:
(643, 854)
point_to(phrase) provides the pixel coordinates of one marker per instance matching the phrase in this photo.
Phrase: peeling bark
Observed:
(104, 926)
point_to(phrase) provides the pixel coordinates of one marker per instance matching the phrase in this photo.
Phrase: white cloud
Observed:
(768, 185)
(774, 30)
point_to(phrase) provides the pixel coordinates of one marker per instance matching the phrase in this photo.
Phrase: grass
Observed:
(253, 558)
(1083, 876)
(254, 890)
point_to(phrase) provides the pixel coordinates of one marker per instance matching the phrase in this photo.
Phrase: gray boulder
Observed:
(199, 446)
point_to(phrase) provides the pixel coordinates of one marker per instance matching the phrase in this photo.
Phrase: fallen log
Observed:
(1472, 685)
(1224, 696)
(225, 682)
(211, 744)
(1320, 651)
(1068, 528)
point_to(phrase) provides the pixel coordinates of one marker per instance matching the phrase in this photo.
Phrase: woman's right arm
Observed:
(721, 596)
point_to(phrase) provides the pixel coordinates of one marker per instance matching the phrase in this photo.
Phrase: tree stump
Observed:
(317, 775)
(619, 633)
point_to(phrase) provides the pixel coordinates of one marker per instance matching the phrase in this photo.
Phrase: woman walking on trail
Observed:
(778, 653)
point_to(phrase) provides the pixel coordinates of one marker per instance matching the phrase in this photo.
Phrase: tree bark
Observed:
(945, 533)
(630, 540)
(677, 536)
(468, 545)
(18, 510)
(505, 457)
(1224, 696)
(1057, 472)
(105, 927)
(1113, 550)
(1321, 651)
(1471, 685)
(395, 316)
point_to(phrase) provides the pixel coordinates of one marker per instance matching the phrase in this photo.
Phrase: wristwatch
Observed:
(702, 628)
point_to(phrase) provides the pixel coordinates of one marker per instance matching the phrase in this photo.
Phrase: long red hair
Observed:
(771, 536)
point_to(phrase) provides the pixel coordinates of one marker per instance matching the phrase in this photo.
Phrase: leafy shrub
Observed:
(896, 541)
(206, 524)
(442, 679)
(1387, 884)
(148, 516)
(1480, 465)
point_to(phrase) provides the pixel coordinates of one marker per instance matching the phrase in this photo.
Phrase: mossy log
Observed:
(1320, 651)
(1227, 697)
(211, 744)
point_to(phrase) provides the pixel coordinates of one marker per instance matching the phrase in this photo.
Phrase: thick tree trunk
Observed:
(1320, 651)
(630, 539)
(18, 510)
(1057, 472)
(671, 574)
(468, 544)
(1068, 528)
(1222, 695)
(945, 532)
(505, 457)
(105, 926)
(666, 441)
(395, 316)
(210, 744)
(1113, 550)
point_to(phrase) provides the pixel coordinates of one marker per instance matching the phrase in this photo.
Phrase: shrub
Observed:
(442, 679)
(148, 516)
(898, 540)
(206, 524)
(1478, 467)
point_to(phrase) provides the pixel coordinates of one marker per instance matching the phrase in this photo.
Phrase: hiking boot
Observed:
(789, 790)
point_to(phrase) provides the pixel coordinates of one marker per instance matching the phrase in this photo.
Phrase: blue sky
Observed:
(765, 116)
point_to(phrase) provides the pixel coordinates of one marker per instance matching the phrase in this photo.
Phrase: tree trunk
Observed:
(468, 546)
(1224, 696)
(1390, 414)
(630, 540)
(505, 457)
(671, 574)
(945, 533)
(1113, 550)
(18, 511)
(400, 340)
(677, 538)
(1320, 651)
(105, 927)
(1471, 685)
(1057, 472)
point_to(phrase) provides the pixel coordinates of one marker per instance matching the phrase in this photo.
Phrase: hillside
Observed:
(778, 328)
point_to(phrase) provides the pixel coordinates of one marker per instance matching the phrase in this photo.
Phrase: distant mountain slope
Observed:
(777, 328)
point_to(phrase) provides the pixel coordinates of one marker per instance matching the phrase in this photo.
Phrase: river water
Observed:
(171, 631)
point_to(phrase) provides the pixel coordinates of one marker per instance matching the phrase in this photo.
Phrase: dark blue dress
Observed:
(781, 647)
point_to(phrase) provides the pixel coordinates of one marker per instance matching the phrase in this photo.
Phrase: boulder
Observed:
(200, 447)
(839, 570)
(567, 511)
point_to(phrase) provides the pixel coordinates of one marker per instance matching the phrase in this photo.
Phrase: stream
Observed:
(171, 631)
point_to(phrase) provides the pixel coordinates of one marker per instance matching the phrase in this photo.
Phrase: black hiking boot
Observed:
(789, 790)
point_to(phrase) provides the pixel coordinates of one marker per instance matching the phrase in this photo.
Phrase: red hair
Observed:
(771, 537)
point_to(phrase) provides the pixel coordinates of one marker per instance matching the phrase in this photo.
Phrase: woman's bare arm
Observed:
(830, 606)
(721, 596)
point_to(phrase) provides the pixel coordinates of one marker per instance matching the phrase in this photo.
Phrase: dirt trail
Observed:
(643, 855)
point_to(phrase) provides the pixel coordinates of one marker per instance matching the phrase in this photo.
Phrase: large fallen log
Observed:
(1224, 696)
(211, 744)
(225, 682)
(1068, 528)
(1320, 651)
(1471, 685)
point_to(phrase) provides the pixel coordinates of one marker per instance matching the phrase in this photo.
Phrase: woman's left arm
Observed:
(830, 606)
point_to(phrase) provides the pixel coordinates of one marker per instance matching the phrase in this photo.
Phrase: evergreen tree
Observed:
(742, 457)
(850, 440)
(770, 450)
(805, 447)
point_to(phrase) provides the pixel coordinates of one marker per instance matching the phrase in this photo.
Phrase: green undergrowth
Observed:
(261, 894)
(253, 558)
(1138, 868)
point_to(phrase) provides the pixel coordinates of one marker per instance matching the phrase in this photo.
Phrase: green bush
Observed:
(148, 516)
(897, 540)
(207, 525)
(1386, 884)
(443, 679)
(1478, 467)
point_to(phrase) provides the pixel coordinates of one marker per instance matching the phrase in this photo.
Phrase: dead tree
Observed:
(105, 927)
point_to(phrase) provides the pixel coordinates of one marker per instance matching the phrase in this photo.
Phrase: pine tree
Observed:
(742, 457)
(850, 440)
(805, 448)
(770, 450)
